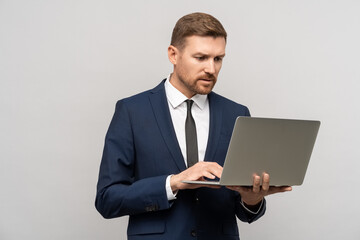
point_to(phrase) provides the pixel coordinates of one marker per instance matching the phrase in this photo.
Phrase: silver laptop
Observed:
(280, 147)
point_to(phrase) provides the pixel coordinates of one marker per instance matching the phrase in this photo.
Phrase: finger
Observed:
(209, 170)
(234, 188)
(214, 168)
(285, 188)
(256, 183)
(266, 182)
(273, 190)
(244, 189)
(240, 189)
(209, 186)
(207, 174)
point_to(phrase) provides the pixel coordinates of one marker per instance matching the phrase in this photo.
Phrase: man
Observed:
(157, 139)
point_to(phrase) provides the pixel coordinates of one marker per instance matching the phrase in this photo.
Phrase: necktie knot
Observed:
(189, 104)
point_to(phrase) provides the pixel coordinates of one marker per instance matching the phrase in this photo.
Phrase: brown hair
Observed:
(198, 24)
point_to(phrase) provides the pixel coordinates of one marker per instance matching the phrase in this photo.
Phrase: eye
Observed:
(201, 58)
(218, 59)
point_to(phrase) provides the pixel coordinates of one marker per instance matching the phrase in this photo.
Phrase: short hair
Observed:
(196, 24)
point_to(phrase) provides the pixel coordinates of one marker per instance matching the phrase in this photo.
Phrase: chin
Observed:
(204, 91)
(207, 87)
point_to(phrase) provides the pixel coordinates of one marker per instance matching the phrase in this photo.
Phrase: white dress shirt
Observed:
(178, 111)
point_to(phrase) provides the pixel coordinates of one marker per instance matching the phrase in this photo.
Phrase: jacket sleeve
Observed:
(119, 192)
(245, 215)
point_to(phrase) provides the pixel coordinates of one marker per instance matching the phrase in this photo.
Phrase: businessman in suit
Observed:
(180, 130)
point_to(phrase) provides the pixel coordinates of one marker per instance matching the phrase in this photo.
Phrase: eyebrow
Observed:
(204, 54)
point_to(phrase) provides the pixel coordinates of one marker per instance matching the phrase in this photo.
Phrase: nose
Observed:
(210, 67)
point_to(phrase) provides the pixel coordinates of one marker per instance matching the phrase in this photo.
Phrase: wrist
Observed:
(254, 209)
(174, 183)
(252, 204)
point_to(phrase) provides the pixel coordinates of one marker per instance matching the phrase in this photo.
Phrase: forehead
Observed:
(205, 45)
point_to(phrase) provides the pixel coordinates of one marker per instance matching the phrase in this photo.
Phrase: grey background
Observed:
(63, 65)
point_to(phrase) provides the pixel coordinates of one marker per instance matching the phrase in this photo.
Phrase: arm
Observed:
(248, 213)
(253, 198)
(120, 191)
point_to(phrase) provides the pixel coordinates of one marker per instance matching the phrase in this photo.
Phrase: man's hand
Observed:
(252, 196)
(199, 171)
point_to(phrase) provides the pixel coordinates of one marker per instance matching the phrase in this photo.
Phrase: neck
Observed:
(174, 80)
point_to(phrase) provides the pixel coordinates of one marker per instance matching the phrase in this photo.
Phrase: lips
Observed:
(206, 79)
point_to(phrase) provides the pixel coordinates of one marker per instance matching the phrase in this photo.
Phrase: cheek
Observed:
(218, 67)
(191, 69)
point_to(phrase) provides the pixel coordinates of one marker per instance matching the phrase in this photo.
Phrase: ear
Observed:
(173, 54)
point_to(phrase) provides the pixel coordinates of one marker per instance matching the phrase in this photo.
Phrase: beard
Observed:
(201, 85)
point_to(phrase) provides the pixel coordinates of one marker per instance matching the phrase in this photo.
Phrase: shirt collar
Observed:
(176, 98)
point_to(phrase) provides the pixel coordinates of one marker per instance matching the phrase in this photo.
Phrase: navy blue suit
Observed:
(141, 150)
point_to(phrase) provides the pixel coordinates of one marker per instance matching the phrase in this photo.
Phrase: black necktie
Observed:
(191, 138)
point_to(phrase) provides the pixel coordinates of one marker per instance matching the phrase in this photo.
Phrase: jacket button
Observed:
(152, 208)
(193, 233)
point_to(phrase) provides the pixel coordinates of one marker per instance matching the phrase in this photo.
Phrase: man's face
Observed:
(197, 65)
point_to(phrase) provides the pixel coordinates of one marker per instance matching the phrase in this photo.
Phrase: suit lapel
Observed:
(215, 127)
(162, 114)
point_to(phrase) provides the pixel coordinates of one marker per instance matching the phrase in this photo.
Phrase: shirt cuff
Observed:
(169, 192)
(261, 204)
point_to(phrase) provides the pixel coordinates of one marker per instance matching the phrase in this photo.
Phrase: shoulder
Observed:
(143, 97)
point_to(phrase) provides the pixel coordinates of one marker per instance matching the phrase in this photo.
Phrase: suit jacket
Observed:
(141, 150)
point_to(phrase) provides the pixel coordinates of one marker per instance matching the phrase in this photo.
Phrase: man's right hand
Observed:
(199, 171)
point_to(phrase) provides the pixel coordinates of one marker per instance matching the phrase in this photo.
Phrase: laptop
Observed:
(280, 147)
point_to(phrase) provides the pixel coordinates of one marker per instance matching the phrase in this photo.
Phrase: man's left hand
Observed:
(252, 196)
